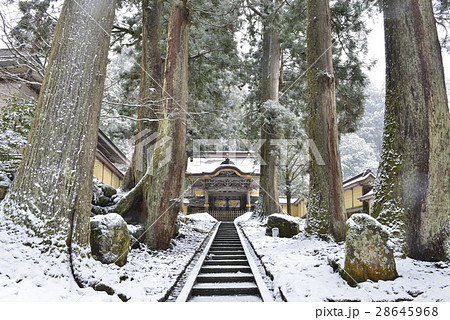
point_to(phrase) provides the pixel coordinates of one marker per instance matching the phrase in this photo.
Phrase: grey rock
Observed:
(176, 229)
(115, 198)
(96, 210)
(414, 293)
(108, 191)
(136, 231)
(5, 183)
(287, 225)
(134, 243)
(368, 252)
(110, 239)
(96, 193)
(104, 201)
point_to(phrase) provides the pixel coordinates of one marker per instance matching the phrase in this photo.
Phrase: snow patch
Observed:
(301, 270)
(246, 216)
(203, 216)
(30, 273)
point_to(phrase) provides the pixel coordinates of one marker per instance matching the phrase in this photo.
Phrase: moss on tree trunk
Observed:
(269, 91)
(326, 212)
(51, 195)
(413, 190)
(149, 92)
(164, 191)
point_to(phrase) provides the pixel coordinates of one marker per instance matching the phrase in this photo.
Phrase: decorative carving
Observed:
(234, 203)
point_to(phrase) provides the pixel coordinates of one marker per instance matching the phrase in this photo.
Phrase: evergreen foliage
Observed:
(15, 123)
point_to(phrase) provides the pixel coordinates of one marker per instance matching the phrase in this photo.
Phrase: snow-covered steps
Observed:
(227, 256)
(225, 298)
(235, 262)
(226, 252)
(225, 277)
(224, 272)
(225, 268)
(227, 288)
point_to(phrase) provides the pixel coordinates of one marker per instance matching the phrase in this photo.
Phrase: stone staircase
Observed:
(225, 274)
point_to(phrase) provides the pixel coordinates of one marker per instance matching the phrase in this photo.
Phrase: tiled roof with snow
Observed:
(208, 163)
(361, 178)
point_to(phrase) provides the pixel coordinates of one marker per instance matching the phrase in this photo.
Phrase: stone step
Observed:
(228, 257)
(225, 288)
(225, 269)
(234, 262)
(227, 236)
(229, 249)
(225, 277)
(226, 298)
(226, 245)
(225, 252)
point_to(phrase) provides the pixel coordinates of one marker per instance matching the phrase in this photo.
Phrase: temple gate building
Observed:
(225, 184)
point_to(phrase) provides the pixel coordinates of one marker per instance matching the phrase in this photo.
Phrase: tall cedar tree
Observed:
(150, 97)
(51, 195)
(326, 212)
(414, 190)
(150, 90)
(270, 82)
(163, 195)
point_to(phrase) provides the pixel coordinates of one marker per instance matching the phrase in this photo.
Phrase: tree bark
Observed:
(326, 211)
(288, 202)
(150, 90)
(269, 91)
(164, 191)
(413, 189)
(51, 195)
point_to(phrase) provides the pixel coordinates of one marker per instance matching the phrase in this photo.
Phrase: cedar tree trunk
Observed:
(150, 91)
(269, 91)
(164, 190)
(413, 190)
(326, 212)
(51, 195)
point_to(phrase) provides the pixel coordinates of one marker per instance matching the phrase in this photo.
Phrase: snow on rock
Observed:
(301, 270)
(103, 197)
(108, 191)
(368, 251)
(136, 231)
(288, 226)
(5, 183)
(110, 239)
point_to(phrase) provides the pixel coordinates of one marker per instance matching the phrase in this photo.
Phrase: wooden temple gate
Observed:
(226, 215)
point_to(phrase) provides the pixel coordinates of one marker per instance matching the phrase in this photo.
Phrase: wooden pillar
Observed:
(206, 204)
(249, 201)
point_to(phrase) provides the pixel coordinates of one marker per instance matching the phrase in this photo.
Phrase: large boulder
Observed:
(368, 252)
(5, 183)
(110, 239)
(287, 225)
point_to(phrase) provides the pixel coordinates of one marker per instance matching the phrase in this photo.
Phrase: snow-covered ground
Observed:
(27, 274)
(300, 269)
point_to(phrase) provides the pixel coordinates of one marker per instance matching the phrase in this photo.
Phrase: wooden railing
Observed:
(226, 215)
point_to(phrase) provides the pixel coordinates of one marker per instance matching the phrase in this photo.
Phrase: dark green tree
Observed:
(412, 194)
